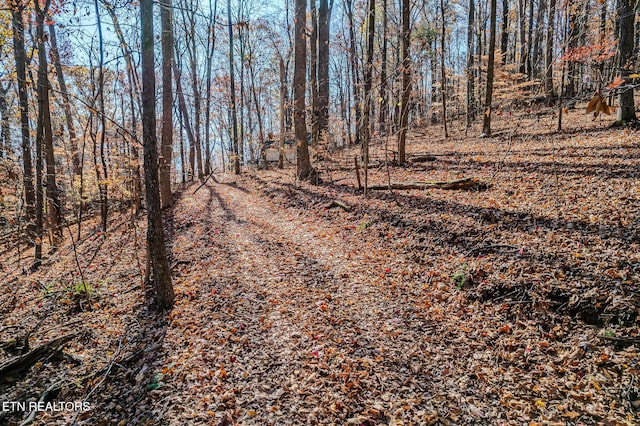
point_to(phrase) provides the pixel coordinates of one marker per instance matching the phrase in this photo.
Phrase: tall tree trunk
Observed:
(548, 63)
(522, 64)
(355, 75)
(44, 131)
(486, 122)
(211, 45)
(182, 105)
(166, 146)
(283, 112)
(234, 115)
(157, 251)
(66, 103)
(406, 80)
(313, 72)
(626, 27)
(368, 80)
(324, 19)
(303, 169)
(134, 95)
(530, 41)
(443, 35)
(20, 57)
(470, 67)
(5, 130)
(384, 101)
(504, 43)
(102, 180)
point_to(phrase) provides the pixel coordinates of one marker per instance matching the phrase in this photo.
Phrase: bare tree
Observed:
(66, 103)
(20, 57)
(486, 122)
(232, 89)
(166, 147)
(44, 133)
(406, 80)
(156, 249)
(324, 20)
(626, 24)
(303, 170)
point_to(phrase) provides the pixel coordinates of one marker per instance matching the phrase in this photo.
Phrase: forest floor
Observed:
(517, 304)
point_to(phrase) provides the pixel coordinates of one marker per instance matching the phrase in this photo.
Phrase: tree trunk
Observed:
(157, 251)
(184, 113)
(504, 43)
(324, 19)
(102, 180)
(406, 81)
(355, 75)
(368, 77)
(166, 147)
(313, 72)
(234, 115)
(211, 45)
(522, 64)
(5, 130)
(486, 122)
(66, 103)
(20, 57)
(134, 93)
(44, 131)
(626, 26)
(303, 169)
(283, 111)
(443, 70)
(471, 101)
(384, 102)
(548, 78)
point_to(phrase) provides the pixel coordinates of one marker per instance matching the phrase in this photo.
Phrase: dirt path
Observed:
(282, 317)
(282, 322)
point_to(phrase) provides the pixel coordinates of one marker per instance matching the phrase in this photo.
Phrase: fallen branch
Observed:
(421, 158)
(621, 339)
(336, 203)
(459, 184)
(24, 362)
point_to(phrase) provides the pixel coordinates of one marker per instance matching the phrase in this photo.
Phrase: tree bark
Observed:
(166, 147)
(324, 19)
(443, 70)
(548, 78)
(406, 80)
(44, 131)
(234, 114)
(313, 72)
(355, 75)
(162, 286)
(368, 77)
(20, 56)
(384, 101)
(486, 122)
(470, 60)
(66, 103)
(626, 21)
(303, 166)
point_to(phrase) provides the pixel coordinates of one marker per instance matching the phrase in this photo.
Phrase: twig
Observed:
(205, 181)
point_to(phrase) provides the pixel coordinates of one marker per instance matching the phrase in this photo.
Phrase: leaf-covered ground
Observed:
(514, 305)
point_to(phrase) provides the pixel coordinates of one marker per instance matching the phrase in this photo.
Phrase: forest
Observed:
(312, 212)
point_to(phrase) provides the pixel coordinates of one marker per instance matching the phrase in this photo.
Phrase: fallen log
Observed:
(22, 363)
(458, 184)
(421, 158)
(336, 203)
